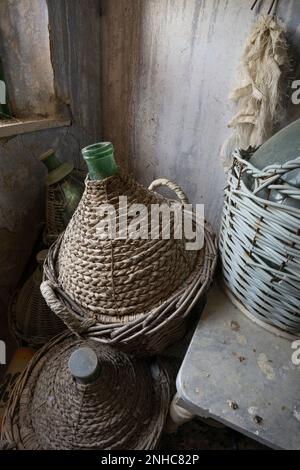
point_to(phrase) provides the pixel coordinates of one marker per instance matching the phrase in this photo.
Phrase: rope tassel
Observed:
(261, 90)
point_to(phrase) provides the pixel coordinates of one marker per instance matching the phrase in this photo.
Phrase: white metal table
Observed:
(241, 375)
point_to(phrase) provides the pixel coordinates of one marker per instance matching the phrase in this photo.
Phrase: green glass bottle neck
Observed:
(100, 160)
(50, 160)
(56, 170)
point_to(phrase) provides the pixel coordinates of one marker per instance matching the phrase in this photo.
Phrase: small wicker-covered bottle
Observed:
(65, 186)
(31, 320)
(81, 395)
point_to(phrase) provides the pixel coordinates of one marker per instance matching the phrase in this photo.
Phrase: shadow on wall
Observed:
(21, 210)
(25, 53)
(168, 67)
(74, 32)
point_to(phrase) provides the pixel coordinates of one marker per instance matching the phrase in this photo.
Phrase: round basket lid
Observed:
(121, 404)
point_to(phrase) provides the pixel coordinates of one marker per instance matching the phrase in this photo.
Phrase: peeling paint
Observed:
(241, 339)
(296, 414)
(265, 366)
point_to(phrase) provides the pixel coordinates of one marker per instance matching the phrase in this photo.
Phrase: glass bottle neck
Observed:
(100, 160)
(50, 160)
(56, 170)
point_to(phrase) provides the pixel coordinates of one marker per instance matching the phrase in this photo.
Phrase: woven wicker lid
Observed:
(120, 278)
(123, 408)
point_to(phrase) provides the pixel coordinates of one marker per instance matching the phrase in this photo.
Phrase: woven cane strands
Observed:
(135, 294)
(30, 318)
(125, 408)
(54, 214)
(260, 245)
(118, 277)
(56, 205)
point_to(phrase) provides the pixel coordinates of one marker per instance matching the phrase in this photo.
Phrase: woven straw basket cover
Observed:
(55, 224)
(55, 209)
(124, 409)
(30, 318)
(134, 294)
(260, 246)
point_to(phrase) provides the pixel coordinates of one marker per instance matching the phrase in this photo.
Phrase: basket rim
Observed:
(245, 191)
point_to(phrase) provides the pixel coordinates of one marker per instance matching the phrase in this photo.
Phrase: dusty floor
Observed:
(197, 435)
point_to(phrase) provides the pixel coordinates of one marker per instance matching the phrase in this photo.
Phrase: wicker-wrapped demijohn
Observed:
(31, 320)
(132, 292)
(83, 395)
(260, 233)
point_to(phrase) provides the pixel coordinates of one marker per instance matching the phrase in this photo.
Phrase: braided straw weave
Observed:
(31, 320)
(260, 245)
(55, 223)
(56, 205)
(124, 409)
(134, 294)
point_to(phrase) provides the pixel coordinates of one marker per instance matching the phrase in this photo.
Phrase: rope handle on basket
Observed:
(75, 325)
(171, 185)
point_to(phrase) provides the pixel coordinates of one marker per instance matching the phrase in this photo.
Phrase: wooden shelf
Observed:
(13, 127)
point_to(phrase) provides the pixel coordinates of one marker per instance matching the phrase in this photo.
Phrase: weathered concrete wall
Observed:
(120, 34)
(75, 54)
(25, 52)
(168, 66)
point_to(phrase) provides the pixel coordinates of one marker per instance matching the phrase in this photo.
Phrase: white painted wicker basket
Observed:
(260, 245)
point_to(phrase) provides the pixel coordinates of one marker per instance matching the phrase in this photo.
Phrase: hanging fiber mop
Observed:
(261, 89)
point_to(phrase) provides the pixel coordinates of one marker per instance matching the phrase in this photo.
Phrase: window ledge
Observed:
(11, 128)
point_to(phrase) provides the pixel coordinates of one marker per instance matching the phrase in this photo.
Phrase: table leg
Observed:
(177, 416)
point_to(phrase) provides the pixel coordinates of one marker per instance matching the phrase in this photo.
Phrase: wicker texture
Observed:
(116, 278)
(133, 294)
(260, 244)
(124, 409)
(31, 320)
(56, 205)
